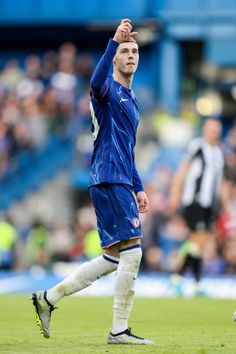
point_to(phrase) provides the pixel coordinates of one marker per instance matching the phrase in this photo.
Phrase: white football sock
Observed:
(127, 271)
(84, 276)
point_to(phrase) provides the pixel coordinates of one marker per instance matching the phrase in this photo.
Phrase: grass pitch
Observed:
(81, 325)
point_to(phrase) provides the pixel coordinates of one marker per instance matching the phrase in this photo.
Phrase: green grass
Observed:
(81, 325)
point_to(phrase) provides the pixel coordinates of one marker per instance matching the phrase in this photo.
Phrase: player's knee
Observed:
(131, 258)
(112, 251)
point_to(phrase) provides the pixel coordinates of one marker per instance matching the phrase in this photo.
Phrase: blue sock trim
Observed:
(107, 258)
(130, 248)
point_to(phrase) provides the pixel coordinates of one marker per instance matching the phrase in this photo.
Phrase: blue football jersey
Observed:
(115, 118)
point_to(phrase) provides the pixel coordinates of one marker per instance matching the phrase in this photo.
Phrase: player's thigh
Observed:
(117, 216)
(100, 196)
(196, 218)
(199, 237)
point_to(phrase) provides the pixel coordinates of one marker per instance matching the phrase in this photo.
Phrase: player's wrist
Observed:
(114, 42)
(116, 39)
(137, 191)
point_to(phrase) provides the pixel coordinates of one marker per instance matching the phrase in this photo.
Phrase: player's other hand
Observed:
(143, 202)
(124, 31)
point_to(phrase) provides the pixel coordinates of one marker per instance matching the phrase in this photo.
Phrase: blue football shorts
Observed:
(117, 213)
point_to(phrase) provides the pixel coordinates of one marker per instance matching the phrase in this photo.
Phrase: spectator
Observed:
(38, 246)
(8, 239)
(62, 240)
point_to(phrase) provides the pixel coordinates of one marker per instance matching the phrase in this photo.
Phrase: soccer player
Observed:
(115, 188)
(196, 186)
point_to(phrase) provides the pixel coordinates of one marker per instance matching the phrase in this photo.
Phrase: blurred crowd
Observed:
(41, 96)
(50, 95)
(164, 233)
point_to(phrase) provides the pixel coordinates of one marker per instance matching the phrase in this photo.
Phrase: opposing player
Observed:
(197, 187)
(115, 188)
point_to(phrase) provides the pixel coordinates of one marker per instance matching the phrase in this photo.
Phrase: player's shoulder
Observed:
(193, 148)
(196, 143)
(99, 97)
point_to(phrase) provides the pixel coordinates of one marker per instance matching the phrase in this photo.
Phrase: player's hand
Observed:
(124, 31)
(143, 202)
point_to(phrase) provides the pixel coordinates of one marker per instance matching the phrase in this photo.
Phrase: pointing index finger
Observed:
(125, 20)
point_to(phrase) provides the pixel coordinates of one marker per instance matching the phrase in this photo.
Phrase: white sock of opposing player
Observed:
(127, 271)
(84, 276)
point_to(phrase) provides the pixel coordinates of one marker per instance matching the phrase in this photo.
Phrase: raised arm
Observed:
(98, 80)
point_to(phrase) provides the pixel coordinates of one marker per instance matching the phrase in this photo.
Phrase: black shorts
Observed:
(198, 218)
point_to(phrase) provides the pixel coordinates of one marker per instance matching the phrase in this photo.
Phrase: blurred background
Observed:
(187, 72)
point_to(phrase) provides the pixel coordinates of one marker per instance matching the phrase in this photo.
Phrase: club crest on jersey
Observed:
(135, 222)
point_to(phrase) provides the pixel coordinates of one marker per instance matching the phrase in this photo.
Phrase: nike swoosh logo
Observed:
(124, 100)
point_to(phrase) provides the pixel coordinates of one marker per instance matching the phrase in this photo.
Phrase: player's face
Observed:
(212, 130)
(126, 58)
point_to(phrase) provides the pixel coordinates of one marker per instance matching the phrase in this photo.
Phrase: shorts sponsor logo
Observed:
(135, 222)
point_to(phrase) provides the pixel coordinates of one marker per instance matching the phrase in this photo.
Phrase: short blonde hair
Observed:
(130, 39)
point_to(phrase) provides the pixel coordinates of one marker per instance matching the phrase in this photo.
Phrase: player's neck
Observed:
(123, 80)
(212, 141)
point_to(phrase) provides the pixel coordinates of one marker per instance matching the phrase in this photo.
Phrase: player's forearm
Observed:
(103, 67)
(175, 192)
(137, 183)
(177, 184)
(176, 187)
